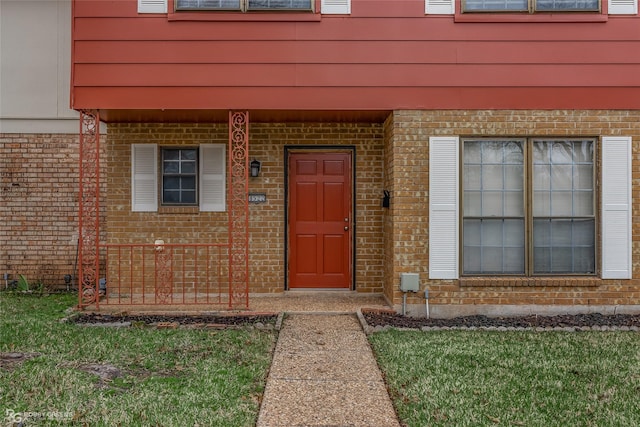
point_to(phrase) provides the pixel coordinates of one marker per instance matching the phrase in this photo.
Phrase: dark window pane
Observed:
(171, 183)
(495, 5)
(171, 196)
(188, 154)
(188, 183)
(553, 5)
(171, 167)
(207, 4)
(171, 154)
(188, 167)
(187, 4)
(189, 197)
(280, 4)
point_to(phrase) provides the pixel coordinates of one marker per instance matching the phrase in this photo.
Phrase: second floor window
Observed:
(530, 6)
(244, 5)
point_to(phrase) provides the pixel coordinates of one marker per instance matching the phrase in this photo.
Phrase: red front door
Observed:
(320, 227)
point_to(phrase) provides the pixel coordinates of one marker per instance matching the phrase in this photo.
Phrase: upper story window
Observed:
(531, 6)
(244, 5)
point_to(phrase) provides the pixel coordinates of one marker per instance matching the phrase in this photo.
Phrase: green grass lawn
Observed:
(168, 377)
(464, 378)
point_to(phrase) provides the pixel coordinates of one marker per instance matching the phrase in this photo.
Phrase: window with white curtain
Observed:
(244, 5)
(528, 206)
(531, 6)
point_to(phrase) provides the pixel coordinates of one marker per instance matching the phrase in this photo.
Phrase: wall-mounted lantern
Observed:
(255, 168)
(386, 199)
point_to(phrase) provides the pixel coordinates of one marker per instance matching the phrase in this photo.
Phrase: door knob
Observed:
(346, 228)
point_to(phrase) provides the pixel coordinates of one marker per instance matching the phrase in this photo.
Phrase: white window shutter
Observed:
(144, 173)
(439, 7)
(443, 207)
(616, 207)
(152, 6)
(212, 178)
(336, 7)
(623, 7)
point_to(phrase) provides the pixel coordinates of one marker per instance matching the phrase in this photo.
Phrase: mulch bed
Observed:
(229, 320)
(383, 318)
(378, 318)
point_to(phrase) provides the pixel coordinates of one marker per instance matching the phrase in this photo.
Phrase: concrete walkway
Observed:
(324, 374)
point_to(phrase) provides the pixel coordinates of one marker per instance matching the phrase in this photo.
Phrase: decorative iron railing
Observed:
(159, 274)
(166, 274)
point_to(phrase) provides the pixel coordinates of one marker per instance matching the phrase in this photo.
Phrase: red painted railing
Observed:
(166, 274)
(159, 274)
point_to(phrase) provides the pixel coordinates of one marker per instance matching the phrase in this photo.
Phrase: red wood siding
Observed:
(385, 56)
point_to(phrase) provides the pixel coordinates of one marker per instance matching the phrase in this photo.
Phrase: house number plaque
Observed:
(257, 197)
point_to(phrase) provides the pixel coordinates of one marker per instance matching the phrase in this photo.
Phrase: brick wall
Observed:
(38, 206)
(390, 264)
(267, 236)
(38, 187)
(171, 224)
(410, 132)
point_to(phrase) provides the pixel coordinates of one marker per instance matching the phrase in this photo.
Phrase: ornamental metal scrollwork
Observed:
(89, 209)
(238, 209)
(164, 274)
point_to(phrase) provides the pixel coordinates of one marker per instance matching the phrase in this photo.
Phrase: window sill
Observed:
(245, 17)
(191, 210)
(564, 281)
(531, 17)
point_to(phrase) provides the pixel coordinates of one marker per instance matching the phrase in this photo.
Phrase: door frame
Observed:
(289, 149)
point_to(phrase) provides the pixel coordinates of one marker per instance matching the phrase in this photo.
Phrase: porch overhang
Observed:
(257, 116)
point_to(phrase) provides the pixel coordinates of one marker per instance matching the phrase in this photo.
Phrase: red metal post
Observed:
(89, 210)
(164, 274)
(238, 208)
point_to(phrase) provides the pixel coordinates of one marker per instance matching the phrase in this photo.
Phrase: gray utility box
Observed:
(409, 282)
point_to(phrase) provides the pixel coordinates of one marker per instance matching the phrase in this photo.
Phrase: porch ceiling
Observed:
(220, 116)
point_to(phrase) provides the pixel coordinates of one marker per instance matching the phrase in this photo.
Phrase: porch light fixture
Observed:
(255, 168)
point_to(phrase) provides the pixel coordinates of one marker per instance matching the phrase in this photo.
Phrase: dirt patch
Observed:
(384, 318)
(13, 359)
(104, 371)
